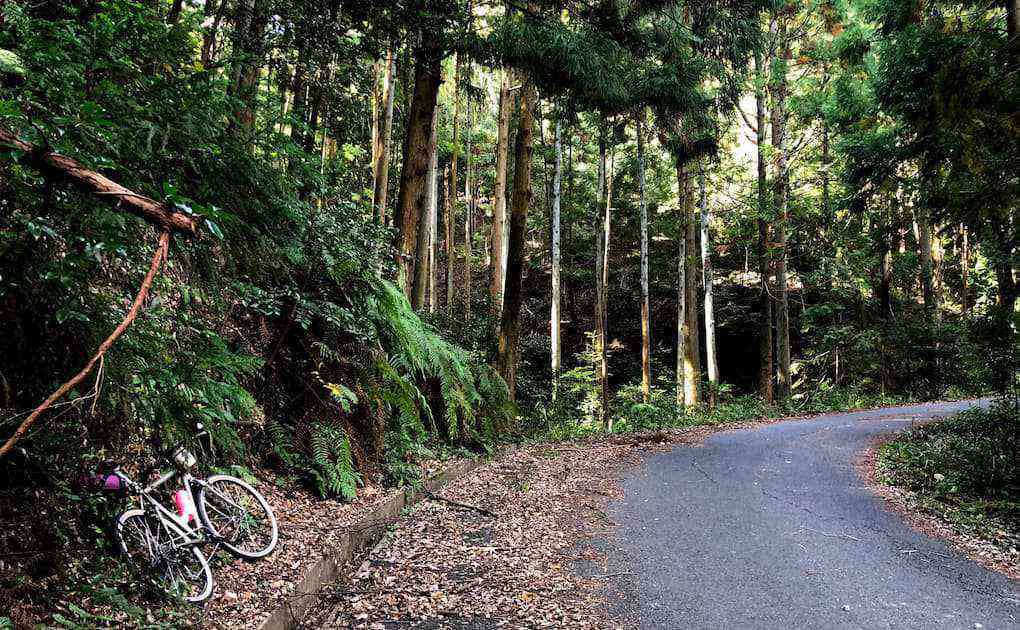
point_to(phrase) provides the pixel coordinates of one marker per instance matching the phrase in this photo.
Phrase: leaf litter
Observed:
(501, 548)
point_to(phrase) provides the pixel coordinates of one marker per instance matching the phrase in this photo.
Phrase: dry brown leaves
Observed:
(450, 566)
(310, 527)
(994, 555)
(447, 566)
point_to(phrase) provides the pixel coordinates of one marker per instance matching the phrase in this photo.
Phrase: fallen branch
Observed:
(143, 292)
(61, 167)
(466, 506)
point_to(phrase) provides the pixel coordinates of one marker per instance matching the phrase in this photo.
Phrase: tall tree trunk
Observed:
(298, 114)
(706, 266)
(927, 264)
(765, 348)
(826, 158)
(646, 323)
(423, 249)
(216, 11)
(451, 261)
(885, 267)
(498, 252)
(318, 96)
(417, 156)
(381, 143)
(965, 269)
(1007, 294)
(509, 323)
(469, 204)
(554, 315)
(378, 72)
(448, 238)
(692, 337)
(251, 22)
(782, 208)
(603, 301)
(434, 238)
(681, 291)
(600, 251)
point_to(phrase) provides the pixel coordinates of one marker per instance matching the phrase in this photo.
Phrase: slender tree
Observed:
(250, 23)
(602, 280)
(448, 237)
(383, 138)
(681, 293)
(497, 237)
(509, 323)
(646, 322)
(924, 246)
(779, 115)
(765, 353)
(706, 266)
(469, 202)
(413, 190)
(450, 207)
(554, 315)
(964, 270)
(884, 246)
(691, 355)
(423, 248)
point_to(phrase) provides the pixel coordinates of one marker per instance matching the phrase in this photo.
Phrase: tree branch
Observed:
(143, 292)
(56, 166)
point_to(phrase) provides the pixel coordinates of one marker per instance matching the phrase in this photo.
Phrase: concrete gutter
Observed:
(360, 535)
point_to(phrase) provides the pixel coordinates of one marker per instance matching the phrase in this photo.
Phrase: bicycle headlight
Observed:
(183, 458)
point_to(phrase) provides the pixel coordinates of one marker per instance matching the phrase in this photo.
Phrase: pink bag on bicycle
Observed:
(101, 482)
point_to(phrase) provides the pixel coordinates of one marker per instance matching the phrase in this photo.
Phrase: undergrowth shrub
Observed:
(971, 454)
(429, 393)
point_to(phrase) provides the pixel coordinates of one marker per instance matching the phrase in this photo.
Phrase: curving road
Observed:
(772, 528)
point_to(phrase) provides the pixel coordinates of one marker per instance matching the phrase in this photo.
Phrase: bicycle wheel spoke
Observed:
(175, 563)
(237, 516)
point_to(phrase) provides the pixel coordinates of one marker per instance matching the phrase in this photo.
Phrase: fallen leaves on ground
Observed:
(310, 528)
(451, 566)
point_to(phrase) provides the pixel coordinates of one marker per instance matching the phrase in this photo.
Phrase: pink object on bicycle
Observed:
(101, 482)
(185, 506)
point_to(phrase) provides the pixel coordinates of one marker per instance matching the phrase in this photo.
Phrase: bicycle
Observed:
(226, 512)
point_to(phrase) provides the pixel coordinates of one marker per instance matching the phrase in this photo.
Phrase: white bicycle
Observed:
(220, 510)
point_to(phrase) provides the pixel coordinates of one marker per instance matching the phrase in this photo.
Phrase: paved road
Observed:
(772, 528)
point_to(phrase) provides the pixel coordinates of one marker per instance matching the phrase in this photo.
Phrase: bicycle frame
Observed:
(195, 531)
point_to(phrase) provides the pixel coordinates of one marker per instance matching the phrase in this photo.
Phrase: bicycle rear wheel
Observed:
(238, 516)
(167, 552)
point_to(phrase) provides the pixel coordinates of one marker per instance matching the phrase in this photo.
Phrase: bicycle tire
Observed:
(210, 491)
(204, 584)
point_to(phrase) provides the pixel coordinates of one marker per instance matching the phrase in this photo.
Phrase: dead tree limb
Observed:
(466, 506)
(63, 168)
(143, 292)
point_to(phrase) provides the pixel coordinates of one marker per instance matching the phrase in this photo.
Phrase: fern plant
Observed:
(332, 462)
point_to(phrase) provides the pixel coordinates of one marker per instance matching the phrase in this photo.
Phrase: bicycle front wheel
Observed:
(167, 551)
(238, 516)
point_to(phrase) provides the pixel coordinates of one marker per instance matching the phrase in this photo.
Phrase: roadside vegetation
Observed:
(965, 471)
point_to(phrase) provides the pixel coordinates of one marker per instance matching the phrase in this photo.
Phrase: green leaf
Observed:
(214, 229)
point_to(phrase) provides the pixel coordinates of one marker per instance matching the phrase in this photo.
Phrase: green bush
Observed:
(973, 454)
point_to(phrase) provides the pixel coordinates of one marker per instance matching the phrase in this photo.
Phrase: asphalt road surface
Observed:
(772, 527)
